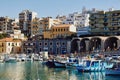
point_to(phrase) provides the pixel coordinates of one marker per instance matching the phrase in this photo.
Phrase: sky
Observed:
(52, 8)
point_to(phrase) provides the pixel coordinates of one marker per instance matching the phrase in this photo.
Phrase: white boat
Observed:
(72, 62)
(1, 58)
(21, 57)
(59, 64)
(93, 66)
(10, 60)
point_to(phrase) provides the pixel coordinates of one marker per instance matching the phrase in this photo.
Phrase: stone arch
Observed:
(83, 45)
(111, 43)
(95, 43)
(75, 45)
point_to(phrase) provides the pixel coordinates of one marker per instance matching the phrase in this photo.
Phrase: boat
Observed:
(1, 58)
(72, 62)
(93, 66)
(59, 64)
(115, 70)
(10, 60)
(50, 63)
(59, 61)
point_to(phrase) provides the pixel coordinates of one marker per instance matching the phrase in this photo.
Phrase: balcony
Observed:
(91, 18)
(97, 30)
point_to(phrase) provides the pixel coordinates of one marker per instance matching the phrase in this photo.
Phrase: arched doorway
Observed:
(83, 44)
(75, 45)
(111, 43)
(95, 44)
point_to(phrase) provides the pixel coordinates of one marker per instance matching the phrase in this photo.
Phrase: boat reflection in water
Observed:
(35, 70)
(68, 74)
(93, 76)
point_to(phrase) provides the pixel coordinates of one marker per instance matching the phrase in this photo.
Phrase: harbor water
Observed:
(37, 71)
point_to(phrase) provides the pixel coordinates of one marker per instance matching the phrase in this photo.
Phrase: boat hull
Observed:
(114, 72)
(59, 65)
(50, 64)
(11, 61)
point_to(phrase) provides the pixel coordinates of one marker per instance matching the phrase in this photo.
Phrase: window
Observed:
(57, 43)
(24, 50)
(2, 44)
(2, 49)
(26, 44)
(53, 30)
(63, 43)
(31, 43)
(59, 30)
(12, 44)
(45, 43)
(50, 43)
(64, 29)
(40, 43)
(40, 49)
(50, 49)
(9, 44)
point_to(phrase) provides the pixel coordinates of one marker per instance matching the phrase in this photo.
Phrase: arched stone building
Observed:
(96, 43)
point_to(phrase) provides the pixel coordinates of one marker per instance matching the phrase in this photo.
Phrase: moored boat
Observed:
(72, 62)
(93, 66)
(59, 64)
(50, 63)
(10, 60)
(115, 70)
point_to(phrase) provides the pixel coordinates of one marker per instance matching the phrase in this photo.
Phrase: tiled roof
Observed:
(9, 40)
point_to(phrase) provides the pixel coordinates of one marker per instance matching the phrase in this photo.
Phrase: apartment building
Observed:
(6, 25)
(112, 22)
(78, 19)
(45, 25)
(106, 23)
(97, 22)
(35, 27)
(25, 19)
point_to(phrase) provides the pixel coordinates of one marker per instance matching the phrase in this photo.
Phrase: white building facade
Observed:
(17, 35)
(25, 19)
(78, 19)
